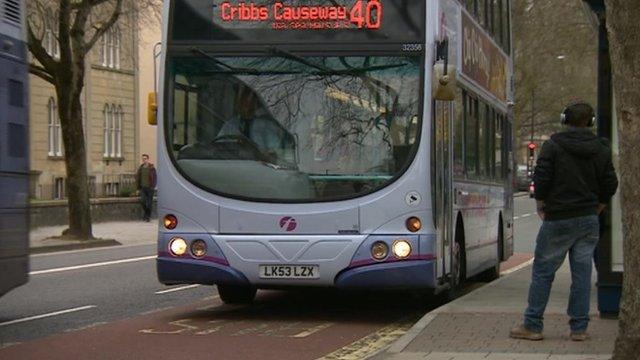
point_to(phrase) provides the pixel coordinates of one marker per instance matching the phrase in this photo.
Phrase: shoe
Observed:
(579, 336)
(521, 332)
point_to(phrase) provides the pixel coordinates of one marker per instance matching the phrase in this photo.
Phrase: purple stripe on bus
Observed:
(211, 259)
(390, 259)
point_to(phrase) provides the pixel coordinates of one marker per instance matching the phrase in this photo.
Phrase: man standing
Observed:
(574, 180)
(146, 183)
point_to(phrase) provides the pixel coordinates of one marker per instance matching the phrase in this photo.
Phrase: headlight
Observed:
(199, 248)
(379, 250)
(402, 249)
(178, 246)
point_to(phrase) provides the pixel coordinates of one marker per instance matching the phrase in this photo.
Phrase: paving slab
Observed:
(45, 239)
(477, 326)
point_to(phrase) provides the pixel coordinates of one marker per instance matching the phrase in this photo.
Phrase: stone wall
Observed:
(53, 213)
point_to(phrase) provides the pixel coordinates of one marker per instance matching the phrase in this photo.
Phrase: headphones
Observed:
(564, 116)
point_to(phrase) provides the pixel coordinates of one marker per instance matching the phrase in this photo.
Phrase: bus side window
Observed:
(506, 24)
(472, 7)
(482, 140)
(498, 19)
(498, 148)
(471, 137)
(491, 141)
(458, 134)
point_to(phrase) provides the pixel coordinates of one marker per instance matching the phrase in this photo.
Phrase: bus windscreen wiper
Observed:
(359, 70)
(236, 70)
(197, 50)
(289, 55)
(324, 70)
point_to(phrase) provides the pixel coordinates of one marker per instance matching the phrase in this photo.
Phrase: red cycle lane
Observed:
(280, 325)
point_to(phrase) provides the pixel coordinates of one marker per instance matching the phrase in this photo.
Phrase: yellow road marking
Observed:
(372, 343)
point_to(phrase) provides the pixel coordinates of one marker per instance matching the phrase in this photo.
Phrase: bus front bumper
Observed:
(419, 274)
(343, 262)
(181, 271)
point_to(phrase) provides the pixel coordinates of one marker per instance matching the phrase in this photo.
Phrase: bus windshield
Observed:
(289, 128)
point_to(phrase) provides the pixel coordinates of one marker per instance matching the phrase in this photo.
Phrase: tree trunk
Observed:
(69, 91)
(624, 36)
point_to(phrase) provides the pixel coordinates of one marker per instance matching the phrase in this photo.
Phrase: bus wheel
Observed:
(457, 276)
(493, 273)
(234, 294)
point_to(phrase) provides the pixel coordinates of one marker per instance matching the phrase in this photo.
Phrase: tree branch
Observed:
(41, 73)
(78, 31)
(106, 26)
(40, 53)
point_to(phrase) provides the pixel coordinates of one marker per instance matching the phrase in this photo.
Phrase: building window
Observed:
(118, 131)
(58, 189)
(112, 130)
(111, 43)
(107, 125)
(55, 130)
(50, 41)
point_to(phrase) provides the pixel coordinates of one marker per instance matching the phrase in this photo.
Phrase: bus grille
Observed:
(11, 11)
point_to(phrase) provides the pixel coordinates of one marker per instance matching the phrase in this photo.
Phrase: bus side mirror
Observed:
(152, 109)
(444, 82)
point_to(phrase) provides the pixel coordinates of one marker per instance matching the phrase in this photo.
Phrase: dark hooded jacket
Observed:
(573, 174)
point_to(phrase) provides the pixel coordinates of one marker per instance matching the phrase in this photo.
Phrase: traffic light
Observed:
(532, 149)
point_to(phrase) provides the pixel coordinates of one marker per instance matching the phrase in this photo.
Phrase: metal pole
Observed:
(157, 51)
(533, 109)
(533, 112)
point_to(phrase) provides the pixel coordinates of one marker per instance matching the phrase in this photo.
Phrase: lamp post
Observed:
(533, 115)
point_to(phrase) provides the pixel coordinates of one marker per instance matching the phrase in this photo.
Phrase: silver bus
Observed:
(357, 144)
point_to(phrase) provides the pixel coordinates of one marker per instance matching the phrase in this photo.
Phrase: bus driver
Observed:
(251, 121)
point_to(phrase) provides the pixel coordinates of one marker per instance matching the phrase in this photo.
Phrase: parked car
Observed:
(532, 190)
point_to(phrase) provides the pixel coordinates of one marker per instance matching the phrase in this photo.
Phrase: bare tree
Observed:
(555, 61)
(624, 32)
(77, 26)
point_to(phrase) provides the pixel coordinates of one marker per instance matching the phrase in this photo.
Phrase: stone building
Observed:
(148, 65)
(111, 113)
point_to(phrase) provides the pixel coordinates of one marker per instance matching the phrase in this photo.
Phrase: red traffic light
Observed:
(532, 146)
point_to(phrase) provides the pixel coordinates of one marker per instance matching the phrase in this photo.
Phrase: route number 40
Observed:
(369, 16)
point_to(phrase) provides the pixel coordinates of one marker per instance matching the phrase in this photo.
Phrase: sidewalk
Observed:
(477, 326)
(109, 234)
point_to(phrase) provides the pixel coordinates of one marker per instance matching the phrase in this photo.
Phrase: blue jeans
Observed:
(579, 237)
(146, 200)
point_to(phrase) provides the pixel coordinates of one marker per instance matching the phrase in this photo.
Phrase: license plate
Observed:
(289, 272)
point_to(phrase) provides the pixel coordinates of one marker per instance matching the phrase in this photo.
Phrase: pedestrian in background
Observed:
(574, 180)
(146, 184)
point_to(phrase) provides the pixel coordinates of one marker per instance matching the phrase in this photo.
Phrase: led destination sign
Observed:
(365, 14)
(297, 21)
